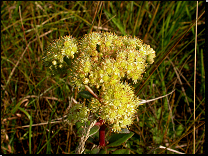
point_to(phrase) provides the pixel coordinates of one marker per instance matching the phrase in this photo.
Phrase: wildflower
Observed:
(102, 61)
(58, 50)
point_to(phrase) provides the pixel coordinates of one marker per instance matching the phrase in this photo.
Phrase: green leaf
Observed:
(85, 94)
(95, 150)
(103, 151)
(118, 139)
(111, 149)
(80, 126)
(122, 151)
(94, 130)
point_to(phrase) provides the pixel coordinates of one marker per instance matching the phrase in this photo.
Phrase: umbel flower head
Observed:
(103, 60)
(59, 52)
(118, 106)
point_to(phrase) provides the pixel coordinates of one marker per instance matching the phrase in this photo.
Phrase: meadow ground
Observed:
(31, 96)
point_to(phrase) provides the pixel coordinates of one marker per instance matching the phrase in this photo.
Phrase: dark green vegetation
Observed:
(30, 96)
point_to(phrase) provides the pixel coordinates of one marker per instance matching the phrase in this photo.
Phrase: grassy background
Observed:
(29, 95)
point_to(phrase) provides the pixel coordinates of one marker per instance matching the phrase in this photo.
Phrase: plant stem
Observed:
(102, 135)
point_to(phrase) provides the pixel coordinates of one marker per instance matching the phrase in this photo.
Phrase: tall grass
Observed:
(30, 96)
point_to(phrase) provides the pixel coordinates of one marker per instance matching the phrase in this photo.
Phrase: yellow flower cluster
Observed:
(105, 58)
(118, 106)
(102, 61)
(58, 49)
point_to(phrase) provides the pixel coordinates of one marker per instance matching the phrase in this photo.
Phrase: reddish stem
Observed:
(102, 133)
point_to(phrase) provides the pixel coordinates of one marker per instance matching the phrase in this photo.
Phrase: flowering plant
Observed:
(103, 63)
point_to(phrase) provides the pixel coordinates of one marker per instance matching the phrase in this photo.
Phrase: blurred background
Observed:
(31, 96)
